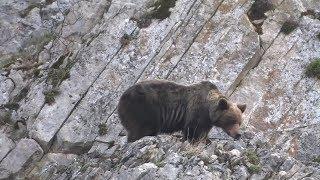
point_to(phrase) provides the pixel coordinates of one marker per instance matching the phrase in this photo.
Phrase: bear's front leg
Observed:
(194, 134)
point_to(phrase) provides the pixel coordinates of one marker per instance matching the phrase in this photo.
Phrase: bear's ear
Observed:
(223, 104)
(242, 107)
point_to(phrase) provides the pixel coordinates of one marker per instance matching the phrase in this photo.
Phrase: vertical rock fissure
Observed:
(252, 63)
(83, 95)
(106, 7)
(193, 40)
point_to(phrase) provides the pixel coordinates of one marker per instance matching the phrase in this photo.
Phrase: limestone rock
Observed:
(20, 158)
(6, 145)
(54, 165)
(64, 65)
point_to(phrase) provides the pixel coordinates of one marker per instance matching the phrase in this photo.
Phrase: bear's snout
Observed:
(234, 132)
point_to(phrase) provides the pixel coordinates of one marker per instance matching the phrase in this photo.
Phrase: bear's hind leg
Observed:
(140, 133)
(132, 137)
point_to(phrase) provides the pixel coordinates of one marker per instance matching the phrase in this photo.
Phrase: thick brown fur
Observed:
(157, 106)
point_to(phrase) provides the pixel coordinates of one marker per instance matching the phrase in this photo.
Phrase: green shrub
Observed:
(252, 157)
(288, 27)
(56, 76)
(160, 163)
(36, 72)
(161, 9)
(50, 95)
(125, 39)
(313, 69)
(102, 129)
(316, 159)
(254, 169)
(12, 106)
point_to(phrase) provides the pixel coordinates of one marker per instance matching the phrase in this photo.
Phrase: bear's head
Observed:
(227, 115)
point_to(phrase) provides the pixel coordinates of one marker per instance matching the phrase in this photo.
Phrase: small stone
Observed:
(241, 173)
(287, 164)
(257, 177)
(235, 161)
(147, 166)
(200, 163)
(206, 158)
(248, 135)
(189, 173)
(213, 157)
(219, 146)
(6, 86)
(226, 174)
(174, 158)
(282, 173)
(230, 145)
(235, 152)
(275, 161)
(216, 167)
(107, 175)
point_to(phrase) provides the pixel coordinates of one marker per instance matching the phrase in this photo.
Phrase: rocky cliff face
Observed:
(65, 63)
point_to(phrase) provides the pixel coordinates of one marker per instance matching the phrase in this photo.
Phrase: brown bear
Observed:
(158, 106)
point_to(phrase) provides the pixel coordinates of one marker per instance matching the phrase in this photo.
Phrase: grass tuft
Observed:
(125, 39)
(12, 106)
(253, 169)
(160, 163)
(160, 10)
(252, 157)
(36, 72)
(316, 159)
(288, 27)
(102, 129)
(258, 8)
(50, 95)
(313, 69)
(56, 76)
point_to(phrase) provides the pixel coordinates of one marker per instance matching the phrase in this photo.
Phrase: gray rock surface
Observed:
(54, 166)
(64, 65)
(20, 158)
(6, 145)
